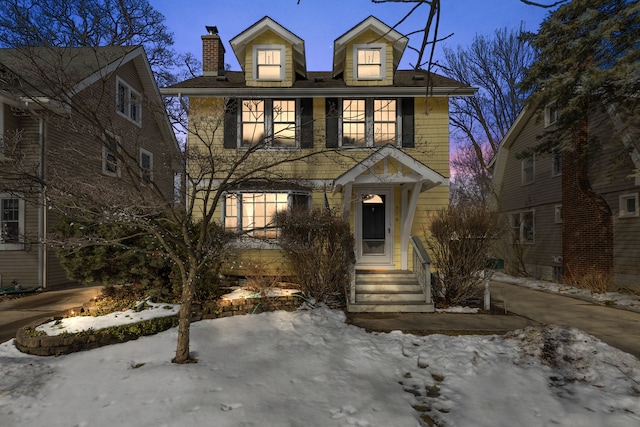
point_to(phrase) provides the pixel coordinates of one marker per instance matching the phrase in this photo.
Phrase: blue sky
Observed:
(320, 22)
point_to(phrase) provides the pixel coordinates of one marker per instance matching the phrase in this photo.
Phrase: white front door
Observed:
(374, 227)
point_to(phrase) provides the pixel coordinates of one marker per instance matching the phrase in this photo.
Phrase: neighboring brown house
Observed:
(558, 233)
(52, 122)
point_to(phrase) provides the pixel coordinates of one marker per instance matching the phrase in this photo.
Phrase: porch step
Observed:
(396, 291)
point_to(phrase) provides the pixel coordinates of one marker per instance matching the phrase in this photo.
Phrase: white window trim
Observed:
(142, 170)
(547, 115)
(260, 47)
(622, 204)
(105, 150)
(268, 125)
(557, 214)
(533, 170)
(383, 59)
(21, 216)
(129, 91)
(369, 123)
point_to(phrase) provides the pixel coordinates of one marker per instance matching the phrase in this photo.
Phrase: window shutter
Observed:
(408, 127)
(332, 112)
(306, 123)
(231, 124)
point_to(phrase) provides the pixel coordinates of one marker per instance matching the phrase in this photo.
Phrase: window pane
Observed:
(231, 211)
(369, 63)
(269, 63)
(122, 99)
(284, 122)
(631, 205)
(527, 227)
(9, 221)
(353, 122)
(252, 122)
(384, 118)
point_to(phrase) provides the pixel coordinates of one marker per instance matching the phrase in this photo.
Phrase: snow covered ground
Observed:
(309, 368)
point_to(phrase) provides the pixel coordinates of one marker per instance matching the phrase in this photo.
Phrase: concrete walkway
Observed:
(527, 307)
(21, 311)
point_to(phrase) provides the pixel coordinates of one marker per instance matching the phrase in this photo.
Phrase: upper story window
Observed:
(274, 119)
(528, 172)
(369, 122)
(369, 61)
(550, 114)
(269, 62)
(128, 102)
(11, 222)
(146, 165)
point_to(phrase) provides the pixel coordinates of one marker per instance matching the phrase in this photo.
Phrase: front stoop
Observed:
(389, 292)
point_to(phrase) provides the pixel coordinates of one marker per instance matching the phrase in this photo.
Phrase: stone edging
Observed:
(45, 345)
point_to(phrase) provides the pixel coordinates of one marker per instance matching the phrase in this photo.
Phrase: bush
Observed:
(460, 238)
(320, 246)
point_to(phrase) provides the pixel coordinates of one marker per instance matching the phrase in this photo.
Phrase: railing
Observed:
(422, 266)
(352, 286)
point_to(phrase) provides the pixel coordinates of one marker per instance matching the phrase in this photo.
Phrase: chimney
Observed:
(212, 53)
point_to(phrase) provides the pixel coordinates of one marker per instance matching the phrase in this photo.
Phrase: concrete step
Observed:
(417, 297)
(390, 308)
(387, 288)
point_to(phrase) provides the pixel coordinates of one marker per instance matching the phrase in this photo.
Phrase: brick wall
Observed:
(587, 229)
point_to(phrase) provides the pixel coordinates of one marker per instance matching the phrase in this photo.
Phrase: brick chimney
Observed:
(212, 53)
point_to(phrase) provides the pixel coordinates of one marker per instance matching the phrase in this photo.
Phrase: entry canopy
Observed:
(376, 169)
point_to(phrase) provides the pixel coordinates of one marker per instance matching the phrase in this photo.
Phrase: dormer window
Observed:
(369, 61)
(269, 62)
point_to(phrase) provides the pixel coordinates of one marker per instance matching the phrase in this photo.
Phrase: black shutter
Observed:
(306, 123)
(408, 128)
(231, 124)
(332, 112)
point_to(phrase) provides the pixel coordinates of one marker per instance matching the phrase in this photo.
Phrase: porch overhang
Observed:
(410, 175)
(420, 174)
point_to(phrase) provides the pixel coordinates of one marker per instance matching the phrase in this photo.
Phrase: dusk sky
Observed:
(320, 22)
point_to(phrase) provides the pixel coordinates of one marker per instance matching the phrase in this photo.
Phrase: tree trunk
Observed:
(182, 349)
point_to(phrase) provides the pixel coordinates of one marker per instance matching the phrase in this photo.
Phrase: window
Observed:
(369, 61)
(146, 165)
(128, 102)
(11, 222)
(110, 150)
(275, 118)
(550, 114)
(557, 213)
(253, 212)
(628, 205)
(369, 122)
(523, 227)
(556, 163)
(269, 62)
(528, 170)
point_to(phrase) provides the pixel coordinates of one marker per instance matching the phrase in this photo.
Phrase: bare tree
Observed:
(497, 66)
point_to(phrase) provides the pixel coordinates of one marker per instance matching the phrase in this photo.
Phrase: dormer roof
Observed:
(240, 42)
(372, 23)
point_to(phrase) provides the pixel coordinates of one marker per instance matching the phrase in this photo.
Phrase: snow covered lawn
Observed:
(309, 368)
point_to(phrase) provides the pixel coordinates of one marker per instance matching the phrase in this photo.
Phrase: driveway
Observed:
(22, 311)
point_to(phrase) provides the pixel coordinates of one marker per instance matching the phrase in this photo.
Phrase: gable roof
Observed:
(239, 43)
(420, 172)
(374, 24)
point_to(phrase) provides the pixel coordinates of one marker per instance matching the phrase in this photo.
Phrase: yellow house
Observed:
(381, 136)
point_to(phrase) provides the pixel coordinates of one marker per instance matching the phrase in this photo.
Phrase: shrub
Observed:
(319, 245)
(460, 238)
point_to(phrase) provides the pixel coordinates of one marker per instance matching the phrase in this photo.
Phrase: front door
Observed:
(374, 228)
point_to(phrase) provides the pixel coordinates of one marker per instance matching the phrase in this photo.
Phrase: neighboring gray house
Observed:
(556, 232)
(119, 85)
